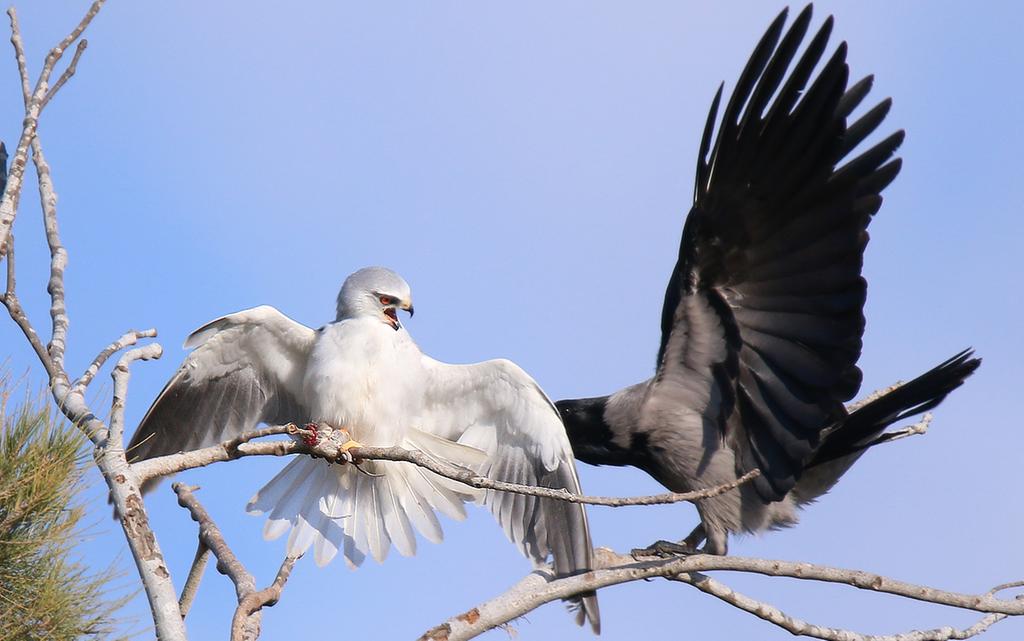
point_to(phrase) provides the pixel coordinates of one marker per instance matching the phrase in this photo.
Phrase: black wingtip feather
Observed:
(700, 188)
(854, 96)
(776, 67)
(882, 177)
(865, 125)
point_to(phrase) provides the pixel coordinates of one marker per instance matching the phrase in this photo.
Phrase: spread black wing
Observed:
(762, 321)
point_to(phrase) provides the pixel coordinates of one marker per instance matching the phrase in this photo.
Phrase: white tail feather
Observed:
(337, 507)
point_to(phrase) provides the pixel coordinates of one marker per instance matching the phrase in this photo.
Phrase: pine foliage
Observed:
(45, 591)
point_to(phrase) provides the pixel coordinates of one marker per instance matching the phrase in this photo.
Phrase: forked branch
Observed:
(542, 587)
(245, 624)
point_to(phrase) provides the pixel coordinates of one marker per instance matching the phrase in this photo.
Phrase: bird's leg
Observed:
(347, 445)
(696, 537)
(685, 547)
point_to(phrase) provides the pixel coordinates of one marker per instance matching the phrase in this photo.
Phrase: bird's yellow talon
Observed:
(347, 445)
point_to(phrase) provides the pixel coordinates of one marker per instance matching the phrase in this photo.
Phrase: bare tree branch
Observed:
(70, 71)
(127, 340)
(542, 587)
(251, 603)
(109, 455)
(20, 318)
(327, 447)
(121, 376)
(245, 625)
(47, 194)
(800, 627)
(9, 203)
(914, 429)
(19, 56)
(58, 256)
(195, 576)
(12, 282)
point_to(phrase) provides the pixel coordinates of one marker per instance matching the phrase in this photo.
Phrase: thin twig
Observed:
(70, 71)
(195, 576)
(267, 597)
(245, 625)
(127, 340)
(914, 429)
(33, 107)
(12, 282)
(1006, 586)
(121, 374)
(211, 536)
(241, 447)
(20, 318)
(19, 56)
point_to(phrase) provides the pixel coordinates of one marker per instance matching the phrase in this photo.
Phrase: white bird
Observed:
(363, 373)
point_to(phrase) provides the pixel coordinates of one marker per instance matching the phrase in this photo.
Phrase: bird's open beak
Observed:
(408, 307)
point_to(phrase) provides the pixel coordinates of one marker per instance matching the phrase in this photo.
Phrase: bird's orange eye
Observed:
(386, 300)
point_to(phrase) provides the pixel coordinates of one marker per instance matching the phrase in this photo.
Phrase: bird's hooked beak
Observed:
(392, 315)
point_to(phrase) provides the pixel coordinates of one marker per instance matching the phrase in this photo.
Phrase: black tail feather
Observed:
(919, 395)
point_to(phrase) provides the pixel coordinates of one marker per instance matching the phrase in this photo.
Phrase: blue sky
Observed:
(527, 168)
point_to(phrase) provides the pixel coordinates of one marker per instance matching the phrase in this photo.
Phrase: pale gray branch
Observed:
(20, 318)
(542, 587)
(18, 314)
(9, 203)
(195, 576)
(799, 627)
(58, 256)
(19, 56)
(48, 201)
(245, 625)
(127, 340)
(70, 71)
(253, 602)
(109, 456)
(12, 282)
(327, 448)
(914, 429)
(121, 374)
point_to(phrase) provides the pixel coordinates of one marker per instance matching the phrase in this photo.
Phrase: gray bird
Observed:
(763, 315)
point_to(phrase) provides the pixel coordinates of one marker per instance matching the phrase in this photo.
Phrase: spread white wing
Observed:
(496, 407)
(246, 369)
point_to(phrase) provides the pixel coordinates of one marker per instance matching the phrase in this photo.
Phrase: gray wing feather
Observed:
(246, 370)
(496, 407)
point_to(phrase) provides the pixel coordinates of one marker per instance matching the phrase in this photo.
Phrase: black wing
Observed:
(763, 315)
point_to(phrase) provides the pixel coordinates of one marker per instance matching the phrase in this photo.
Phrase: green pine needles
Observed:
(45, 592)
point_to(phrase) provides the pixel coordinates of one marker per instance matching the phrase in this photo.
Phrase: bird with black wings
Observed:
(763, 315)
